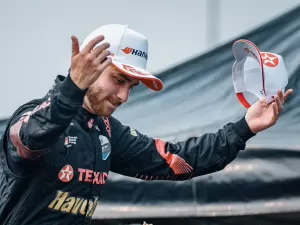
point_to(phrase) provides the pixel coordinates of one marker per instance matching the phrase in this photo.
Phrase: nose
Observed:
(123, 94)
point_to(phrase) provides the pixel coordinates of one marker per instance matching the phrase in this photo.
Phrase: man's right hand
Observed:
(88, 64)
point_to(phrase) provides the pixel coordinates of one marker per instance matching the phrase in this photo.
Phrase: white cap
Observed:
(129, 52)
(259, 73)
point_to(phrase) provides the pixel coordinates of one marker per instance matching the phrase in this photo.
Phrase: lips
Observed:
(114, 104)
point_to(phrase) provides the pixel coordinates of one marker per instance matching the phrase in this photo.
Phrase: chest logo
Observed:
(106, 147)
(66, 174)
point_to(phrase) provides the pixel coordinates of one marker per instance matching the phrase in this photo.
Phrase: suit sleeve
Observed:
(140, 156)
(33, 131)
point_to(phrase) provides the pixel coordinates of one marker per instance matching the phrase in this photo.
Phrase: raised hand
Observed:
(88, 64)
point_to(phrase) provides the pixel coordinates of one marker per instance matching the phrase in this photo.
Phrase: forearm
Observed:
(211, 152)
(152, 159)
(39, 127)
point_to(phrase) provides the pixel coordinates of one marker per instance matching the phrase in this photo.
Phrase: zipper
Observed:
(94, 138)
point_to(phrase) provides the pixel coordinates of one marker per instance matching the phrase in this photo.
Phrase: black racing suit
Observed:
(55, 157)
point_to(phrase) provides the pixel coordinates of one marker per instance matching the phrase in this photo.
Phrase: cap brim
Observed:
(144, 76)
(241, 50)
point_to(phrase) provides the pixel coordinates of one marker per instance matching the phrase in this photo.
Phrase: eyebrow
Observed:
(128, 79)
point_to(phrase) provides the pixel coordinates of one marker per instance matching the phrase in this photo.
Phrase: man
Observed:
(57, 151)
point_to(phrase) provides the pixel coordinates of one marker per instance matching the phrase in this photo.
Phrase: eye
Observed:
(119, 81)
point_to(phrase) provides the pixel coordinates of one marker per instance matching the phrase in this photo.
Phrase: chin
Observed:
(105, 109)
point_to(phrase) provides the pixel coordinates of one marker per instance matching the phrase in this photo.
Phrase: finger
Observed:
(275, 113)
(287, 94)
(99, 49)
(280, 95)
(89, 47)
(102, 57)
(75, 46)
(105, 64)
(278, 103)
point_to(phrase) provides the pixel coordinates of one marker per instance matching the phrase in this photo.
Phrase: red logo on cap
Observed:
(66, 174)
(127, 50)
(269, 59)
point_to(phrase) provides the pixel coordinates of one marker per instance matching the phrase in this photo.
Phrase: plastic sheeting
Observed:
(199, 98)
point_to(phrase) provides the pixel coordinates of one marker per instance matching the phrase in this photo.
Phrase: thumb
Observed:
(75, 46)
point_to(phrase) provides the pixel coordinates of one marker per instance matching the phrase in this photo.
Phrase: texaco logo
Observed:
(66, 174)
(269, 59)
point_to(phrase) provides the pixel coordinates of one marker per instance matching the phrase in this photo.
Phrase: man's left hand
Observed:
(261, 115)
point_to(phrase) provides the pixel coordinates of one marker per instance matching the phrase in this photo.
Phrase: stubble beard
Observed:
(97, 104)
